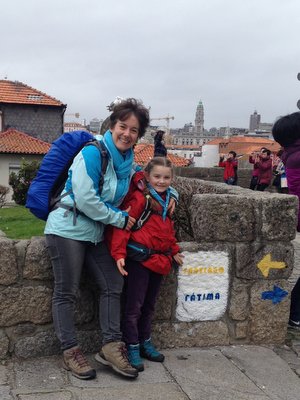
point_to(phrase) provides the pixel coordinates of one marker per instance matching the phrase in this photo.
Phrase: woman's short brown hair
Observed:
(125, 109)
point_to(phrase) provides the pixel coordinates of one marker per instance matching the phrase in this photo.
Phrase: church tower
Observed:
(199, 120)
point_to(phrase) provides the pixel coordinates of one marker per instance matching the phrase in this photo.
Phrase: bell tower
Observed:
(199, 119)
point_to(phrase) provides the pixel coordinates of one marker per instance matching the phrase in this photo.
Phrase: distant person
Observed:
(160, 149)
(286, 131)
(144, 274)
(265, 170)
(230, 165)
(280, 180)
(253, 158)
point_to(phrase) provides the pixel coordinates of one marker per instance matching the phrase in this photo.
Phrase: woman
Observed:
(75, 242)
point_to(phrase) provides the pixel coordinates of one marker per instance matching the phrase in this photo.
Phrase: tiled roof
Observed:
(144, 152)
(16, 142)
(19, 93)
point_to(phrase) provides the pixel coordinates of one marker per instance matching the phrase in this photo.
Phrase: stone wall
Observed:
(215, 174)
(252, 230)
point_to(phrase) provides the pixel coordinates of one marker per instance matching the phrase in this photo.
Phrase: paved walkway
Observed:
(219, 373)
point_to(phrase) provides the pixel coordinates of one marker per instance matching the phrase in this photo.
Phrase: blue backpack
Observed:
(44, 191)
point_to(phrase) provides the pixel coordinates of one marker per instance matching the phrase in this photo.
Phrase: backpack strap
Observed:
(104, 159)
(144, 216)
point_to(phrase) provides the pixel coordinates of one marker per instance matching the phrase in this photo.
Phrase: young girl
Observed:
(155, 236)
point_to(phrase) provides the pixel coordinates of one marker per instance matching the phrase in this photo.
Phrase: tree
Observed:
(21, 181)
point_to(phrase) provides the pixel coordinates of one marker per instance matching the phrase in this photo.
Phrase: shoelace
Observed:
(79, 358)
(124, 353)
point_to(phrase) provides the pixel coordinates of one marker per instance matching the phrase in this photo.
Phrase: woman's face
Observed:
(125, 133)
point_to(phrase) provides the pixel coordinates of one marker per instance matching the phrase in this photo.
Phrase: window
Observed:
(14, 167)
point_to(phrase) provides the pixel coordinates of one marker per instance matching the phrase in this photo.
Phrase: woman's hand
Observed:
(121, 265)
(131, 221)
(179, 258)
(172, 206)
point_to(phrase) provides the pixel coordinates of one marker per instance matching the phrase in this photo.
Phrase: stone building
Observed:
(31, 111)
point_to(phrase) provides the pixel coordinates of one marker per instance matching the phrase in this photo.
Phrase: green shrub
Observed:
(20, 182)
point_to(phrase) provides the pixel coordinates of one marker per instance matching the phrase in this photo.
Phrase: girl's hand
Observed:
(172, 206)
(121, 265)
(179, 258)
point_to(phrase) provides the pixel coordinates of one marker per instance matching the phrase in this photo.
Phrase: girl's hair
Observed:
(233, 153)
(125, 109)
(159, 161)
(286, 130)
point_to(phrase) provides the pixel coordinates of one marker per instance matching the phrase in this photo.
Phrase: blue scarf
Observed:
(122, 165)
(159, 199)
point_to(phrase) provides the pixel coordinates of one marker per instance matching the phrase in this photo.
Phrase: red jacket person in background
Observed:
(230, 165)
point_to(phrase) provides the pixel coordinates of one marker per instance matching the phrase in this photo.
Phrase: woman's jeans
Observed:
(68, 257)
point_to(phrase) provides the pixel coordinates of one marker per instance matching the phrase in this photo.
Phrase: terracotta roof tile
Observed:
(16, 142)
(19, 93)
(144, 152)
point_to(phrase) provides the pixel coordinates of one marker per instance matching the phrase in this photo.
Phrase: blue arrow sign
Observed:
(276, 295)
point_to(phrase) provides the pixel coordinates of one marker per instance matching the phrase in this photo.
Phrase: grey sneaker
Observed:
(75, 361)
(114, 355)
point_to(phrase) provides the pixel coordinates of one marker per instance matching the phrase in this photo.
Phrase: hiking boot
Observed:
(75, 361)
(133, 351)
(114, 355)
(147, 350)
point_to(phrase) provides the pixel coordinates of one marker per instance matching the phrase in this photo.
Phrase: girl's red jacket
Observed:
(155, 233)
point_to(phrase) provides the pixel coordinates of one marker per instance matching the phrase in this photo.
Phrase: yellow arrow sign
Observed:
(266, 264)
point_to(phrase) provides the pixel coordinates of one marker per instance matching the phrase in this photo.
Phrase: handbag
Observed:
(276, 181)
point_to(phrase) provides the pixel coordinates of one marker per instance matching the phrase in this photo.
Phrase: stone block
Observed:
(239, 300)
(8, 262)
(226, 217)
(4, 345)
(279, 217)
(86, 307)
(37, 261)
(268, 321)
(21, 247)
(25, 304)
(251, 255)
(39, 345)
(189, 334)
(165, 303)
(241, 330)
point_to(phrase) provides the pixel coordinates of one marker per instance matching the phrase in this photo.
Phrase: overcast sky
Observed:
(236, 56)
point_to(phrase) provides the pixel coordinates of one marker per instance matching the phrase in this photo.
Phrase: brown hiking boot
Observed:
(114, 355)
(75, 361)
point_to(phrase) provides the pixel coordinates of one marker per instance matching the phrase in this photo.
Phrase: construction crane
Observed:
(76, 115)
(167, 118)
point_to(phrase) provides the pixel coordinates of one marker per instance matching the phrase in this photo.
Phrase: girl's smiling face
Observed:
(160, 178)
(125, 133)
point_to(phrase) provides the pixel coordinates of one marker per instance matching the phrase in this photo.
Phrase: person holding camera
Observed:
(230, 165)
